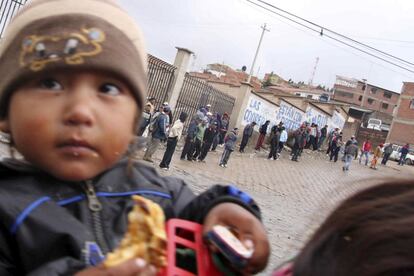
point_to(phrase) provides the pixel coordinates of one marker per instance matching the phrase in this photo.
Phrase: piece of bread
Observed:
(145, 238)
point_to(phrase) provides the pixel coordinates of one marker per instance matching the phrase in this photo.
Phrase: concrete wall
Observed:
(377, 137)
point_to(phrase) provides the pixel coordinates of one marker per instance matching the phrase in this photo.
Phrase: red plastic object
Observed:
(205, 266)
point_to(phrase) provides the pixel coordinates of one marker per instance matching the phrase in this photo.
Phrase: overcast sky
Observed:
(228, 31)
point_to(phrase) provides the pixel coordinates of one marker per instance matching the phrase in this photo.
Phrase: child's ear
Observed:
(4, 126)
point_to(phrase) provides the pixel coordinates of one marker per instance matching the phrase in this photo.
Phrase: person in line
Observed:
(72, 113)
(159, 134)
(208, 138)
(324, 133)
(336, 147)
(351, 148)
(365, 151)
(404, 151)
(334, 132)
(188, 148)
(151, 101)
(217, 122)
(368, 234)
(274, 143)
(199, 137)
(282, 140)
(387, 153)
(262, 135)
(377, 155)
(229, 146)
(225, 121)
(300, 141)
(146, 119)
(173, 137)
(247, 133)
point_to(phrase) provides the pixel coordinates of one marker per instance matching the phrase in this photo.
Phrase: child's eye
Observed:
(50, 84)
(110, 89)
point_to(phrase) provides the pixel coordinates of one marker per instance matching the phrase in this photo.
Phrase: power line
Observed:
(328, 36)
(334, 32)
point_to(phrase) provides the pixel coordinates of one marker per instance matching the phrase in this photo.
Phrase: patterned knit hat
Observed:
(50, 35)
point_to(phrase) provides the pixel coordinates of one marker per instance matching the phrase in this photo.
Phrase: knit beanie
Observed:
(50, 35)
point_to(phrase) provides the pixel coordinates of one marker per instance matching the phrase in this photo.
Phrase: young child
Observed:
(71, 93)
(369, 234)
(377, 155)
(229, 145)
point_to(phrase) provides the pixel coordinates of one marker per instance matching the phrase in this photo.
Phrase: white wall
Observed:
(259, 110)
(313, 115)
(291, 116)
(337, 121)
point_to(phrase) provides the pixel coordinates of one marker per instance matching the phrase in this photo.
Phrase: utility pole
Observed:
(365, 92)
(310, 83)
(257, 52)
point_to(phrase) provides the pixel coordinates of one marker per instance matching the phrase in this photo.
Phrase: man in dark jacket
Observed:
(208, 138)
(300, 141)
(324, 134)
(404, 151)
(274, 143)
(262, 135)
(247, 133)
(188, 148)
(387, 152)
(159, 134)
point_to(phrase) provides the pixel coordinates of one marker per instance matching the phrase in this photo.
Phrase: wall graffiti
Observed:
(313, 116)
(291, 116)
(259, 110)
(336, 121)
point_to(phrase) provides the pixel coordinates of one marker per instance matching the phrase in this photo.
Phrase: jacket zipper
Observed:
(95, 207)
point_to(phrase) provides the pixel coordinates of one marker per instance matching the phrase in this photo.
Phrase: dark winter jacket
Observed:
(209, 135)
(351, 149)
(248, 130)
(324, 132)
(192, 129)
(52, 227)
(263, 128)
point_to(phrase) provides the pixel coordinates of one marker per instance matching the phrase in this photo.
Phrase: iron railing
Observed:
(196, 93)
(8, 8)
(160, 79)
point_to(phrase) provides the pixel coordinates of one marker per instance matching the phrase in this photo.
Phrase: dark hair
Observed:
(183, 116)
(369, 234)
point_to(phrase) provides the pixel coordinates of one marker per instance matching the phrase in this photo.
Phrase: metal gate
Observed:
(8, 9)
(160, 79)
(196, 93)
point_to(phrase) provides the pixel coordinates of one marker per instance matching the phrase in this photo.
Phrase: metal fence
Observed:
(160, 79)
(8, 9)
(196, 93)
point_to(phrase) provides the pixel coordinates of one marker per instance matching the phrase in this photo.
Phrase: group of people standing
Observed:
(205, 132)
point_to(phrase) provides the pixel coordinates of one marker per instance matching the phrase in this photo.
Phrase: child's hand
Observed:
(247, 227)
(135, 267)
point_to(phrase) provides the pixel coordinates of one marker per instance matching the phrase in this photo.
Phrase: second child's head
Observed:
(73, 85)
(369, 234)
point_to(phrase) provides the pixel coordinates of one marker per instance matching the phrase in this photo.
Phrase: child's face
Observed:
(72, 125)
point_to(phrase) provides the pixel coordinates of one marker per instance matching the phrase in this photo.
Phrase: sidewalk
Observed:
(294, 196)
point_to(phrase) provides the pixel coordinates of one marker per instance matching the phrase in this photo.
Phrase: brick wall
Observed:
(376, 137)
(401, 134)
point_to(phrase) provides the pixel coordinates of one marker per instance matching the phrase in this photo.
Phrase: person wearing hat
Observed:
(146, 119)
(247, 133)
(72, 91)
(174, 136)
(159, 133)
(229, 146)
(209, 135)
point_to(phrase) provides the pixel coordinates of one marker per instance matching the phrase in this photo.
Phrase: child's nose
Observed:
(79, 109)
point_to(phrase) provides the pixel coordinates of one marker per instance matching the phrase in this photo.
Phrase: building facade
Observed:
(402, 127)
(365, 95)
